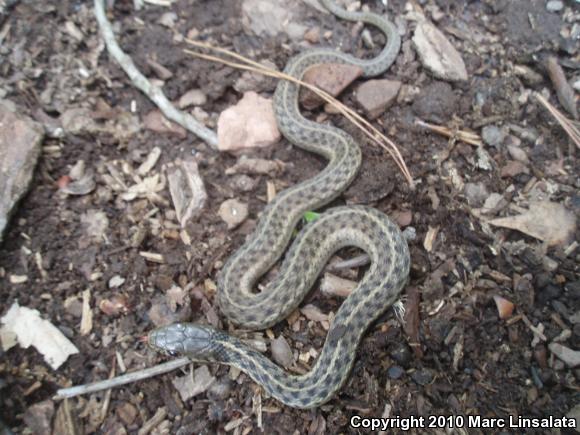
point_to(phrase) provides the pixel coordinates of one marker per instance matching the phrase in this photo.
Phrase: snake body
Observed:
(359, 226)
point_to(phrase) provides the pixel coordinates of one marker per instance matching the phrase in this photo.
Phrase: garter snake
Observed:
(338, 227)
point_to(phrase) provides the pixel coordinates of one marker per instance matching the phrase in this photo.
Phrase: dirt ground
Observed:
(453, 356)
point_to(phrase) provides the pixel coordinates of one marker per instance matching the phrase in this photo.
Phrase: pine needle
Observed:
(368, 129)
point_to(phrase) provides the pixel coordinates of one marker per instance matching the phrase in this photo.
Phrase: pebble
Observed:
(395, 372)
(281, 352)
(220, 390)
(436, 103)
(250, 123)
(437, 54)
(476, 193)
(233, 212)
(570, 357)
(422, 377)
(493, 135)
(401, 354)
(548, 293)
(376, 96)
(554, 6)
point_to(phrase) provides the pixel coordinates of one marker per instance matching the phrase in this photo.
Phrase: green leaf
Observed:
(311, 216)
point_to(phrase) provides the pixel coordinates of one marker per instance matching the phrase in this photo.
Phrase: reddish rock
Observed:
(330, 77)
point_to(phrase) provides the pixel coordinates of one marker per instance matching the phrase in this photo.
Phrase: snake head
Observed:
(187, 339)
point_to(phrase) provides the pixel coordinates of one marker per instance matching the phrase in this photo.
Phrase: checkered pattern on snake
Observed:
(359, 226)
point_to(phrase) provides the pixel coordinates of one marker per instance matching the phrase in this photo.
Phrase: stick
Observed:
(154, 93)
(150, 372)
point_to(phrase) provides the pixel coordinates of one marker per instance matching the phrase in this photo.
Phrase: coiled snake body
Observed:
(338, 227)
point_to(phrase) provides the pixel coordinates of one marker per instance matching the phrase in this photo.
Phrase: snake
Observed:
(337, 227)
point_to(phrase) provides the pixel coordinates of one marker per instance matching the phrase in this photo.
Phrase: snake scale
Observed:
(358, 226)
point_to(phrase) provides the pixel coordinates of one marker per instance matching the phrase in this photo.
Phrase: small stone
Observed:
(518, 153)
(554, 6)
(376, 96)
(493, 135)
(401, 354)
(513, 168)
(570, 357)
(220, 390)
(168, 19)
(281, 352)
(313, 35)
(127, 413)
(116, 281)
(437, 54)
(158, 123)
(250, 123)
(548, 293)
(233, 212)
(504, 307)
(395, 372)
(331, 78)
(475, 193)
(422, 377)
(38, 417)
(437, 103)
(193, 97)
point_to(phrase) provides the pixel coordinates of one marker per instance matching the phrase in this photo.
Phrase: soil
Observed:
(454, 355)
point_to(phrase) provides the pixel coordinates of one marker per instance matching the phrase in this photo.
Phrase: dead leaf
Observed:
(547, 221)
(28, 328)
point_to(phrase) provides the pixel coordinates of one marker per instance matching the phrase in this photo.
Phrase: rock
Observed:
(220, 390)
(156, 122)
(127, 413)
(233, 212)
(376, 96)
(330, 77)
(513, 168)
(295, 31)
(548, 293)
(313, 35)
(250, 123)
(493, 135)
(437, 54)
(20, 141)
(570, 357)
(518, 154)
(554, 6)
(38, 417)
(395, 372)
(476, 193)
(422, 377)
(505, 308)
(437, 103)
(193, 97)
(281, 352)
(573, 290)
(267, 17)
(401, 354)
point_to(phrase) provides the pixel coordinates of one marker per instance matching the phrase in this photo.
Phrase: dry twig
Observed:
(128, 378)
(566, 124)
(154, 93)
(464, 136)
